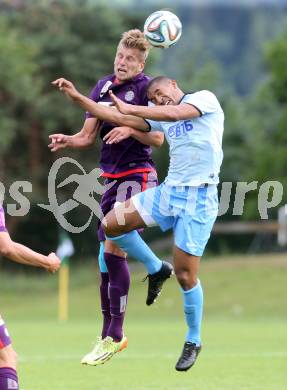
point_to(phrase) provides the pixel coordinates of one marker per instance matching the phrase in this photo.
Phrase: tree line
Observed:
(230, 51)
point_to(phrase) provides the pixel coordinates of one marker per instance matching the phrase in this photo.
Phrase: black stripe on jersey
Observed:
(149, 126)
(190, 93)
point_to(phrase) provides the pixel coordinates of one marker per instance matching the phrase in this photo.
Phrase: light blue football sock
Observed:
(134, 245)
(193, 305)
(101, 258)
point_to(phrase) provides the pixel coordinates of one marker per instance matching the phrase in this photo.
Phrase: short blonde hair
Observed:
(135, 39)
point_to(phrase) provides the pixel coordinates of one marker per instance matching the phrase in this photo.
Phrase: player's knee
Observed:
(112, 248)
(111, 228)
(8, 357)
(186, 279)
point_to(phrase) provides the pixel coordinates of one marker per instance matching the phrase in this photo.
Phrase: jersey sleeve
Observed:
(205, 101)
(154, 125)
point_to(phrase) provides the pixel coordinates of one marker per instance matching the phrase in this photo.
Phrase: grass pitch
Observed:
(244, 331)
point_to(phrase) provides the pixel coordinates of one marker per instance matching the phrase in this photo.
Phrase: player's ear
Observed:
(174, 83)
(141, 66)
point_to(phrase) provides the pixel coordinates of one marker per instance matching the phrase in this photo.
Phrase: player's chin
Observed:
(122, 76)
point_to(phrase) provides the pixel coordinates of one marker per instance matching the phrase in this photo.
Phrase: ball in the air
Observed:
(162, 29)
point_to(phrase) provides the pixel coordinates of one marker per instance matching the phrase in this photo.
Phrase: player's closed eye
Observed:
(130, 59)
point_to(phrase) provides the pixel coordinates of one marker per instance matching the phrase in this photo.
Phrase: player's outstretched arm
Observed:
(118, 134)
(168, 113)
(24, 255)
(100, 111)
(81, 140)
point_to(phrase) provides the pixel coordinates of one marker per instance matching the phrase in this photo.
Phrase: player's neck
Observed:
(117, 81)
(180, 96)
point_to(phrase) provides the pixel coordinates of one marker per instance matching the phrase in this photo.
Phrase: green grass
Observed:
(244, 331)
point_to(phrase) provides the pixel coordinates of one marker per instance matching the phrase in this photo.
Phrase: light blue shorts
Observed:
(189, 211)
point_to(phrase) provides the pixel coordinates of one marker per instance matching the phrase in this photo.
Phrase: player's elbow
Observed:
(86, 140)
(90, 140)
(158, 140)
(6, 249)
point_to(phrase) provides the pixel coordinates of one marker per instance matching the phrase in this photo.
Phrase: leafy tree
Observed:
(74, 39)
(267, 125)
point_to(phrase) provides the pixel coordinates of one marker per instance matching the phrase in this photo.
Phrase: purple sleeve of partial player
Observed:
(2, 220)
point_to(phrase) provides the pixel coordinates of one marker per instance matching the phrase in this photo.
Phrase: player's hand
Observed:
(58, 141)
(118, 134)
(54, 262)
(122, 107)
(67, 87)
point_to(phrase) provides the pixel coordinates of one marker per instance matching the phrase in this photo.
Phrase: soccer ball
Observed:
(162, 29)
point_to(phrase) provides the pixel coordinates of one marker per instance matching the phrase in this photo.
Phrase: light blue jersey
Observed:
(187, 201)
(195, 144)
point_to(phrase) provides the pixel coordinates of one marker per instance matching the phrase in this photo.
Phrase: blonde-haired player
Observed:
(128, 168)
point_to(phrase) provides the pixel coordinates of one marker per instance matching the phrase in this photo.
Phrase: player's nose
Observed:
(158, 101)
(122, 61)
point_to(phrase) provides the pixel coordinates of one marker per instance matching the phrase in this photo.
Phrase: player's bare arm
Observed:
(154, 138)
(100, 111)
(167, 113)
(118, 134)
(24, 255)
(81, 140)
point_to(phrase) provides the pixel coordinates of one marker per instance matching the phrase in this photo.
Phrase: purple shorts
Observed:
(2, 221)
(122, 189)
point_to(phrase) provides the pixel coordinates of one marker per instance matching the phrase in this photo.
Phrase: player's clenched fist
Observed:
(53, 262)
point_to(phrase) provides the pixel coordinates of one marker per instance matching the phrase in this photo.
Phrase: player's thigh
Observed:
(122, 219)
(186, 268)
